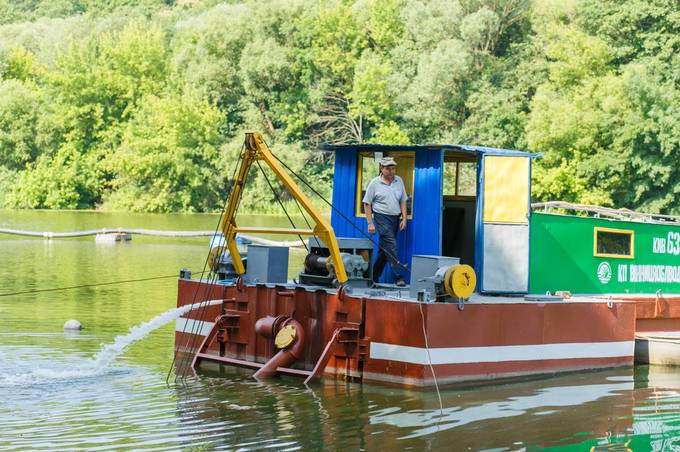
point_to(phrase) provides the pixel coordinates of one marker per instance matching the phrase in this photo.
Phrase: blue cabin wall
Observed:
(427, 205)
(344, 194)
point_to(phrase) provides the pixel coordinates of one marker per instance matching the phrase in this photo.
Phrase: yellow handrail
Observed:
(253, 230)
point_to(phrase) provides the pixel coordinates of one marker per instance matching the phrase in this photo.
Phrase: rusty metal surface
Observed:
(339, 332)
(319, 312)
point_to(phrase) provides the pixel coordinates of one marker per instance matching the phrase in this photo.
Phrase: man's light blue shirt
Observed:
(385, 198)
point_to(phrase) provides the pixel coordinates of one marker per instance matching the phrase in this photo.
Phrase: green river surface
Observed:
(54, 395)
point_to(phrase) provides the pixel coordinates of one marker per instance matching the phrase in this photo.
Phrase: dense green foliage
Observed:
(142, 105)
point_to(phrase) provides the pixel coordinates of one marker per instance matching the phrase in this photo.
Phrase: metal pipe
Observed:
(268, 326)
(286, 356)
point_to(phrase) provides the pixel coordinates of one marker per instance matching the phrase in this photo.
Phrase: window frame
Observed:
(359, 180)
(458, 159)
(629, 232)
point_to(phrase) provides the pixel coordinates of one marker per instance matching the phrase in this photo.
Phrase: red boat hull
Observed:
(405, 342)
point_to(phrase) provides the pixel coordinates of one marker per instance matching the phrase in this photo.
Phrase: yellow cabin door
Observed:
(506, 199)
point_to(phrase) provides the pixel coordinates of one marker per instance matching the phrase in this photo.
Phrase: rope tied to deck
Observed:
(82, 286)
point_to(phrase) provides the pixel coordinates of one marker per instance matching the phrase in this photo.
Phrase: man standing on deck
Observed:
(385, 207)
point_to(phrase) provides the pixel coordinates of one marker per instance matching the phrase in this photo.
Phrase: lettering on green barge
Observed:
(593, 255)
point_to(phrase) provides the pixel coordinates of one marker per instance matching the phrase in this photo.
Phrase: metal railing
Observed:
(605, 212)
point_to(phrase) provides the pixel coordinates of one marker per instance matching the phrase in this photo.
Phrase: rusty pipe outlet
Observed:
(269, 326)
(293, 337)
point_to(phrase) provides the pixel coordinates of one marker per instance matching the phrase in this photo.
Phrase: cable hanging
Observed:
(190, 344)
(361, 231)
(82, 286)
(278, 199)
(212, 280)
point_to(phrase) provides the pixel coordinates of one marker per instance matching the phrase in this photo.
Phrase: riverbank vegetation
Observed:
(142, 106)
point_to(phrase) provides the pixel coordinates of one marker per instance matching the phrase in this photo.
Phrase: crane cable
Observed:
(196, 326)
(212, 281)
(278, 199)
(361, 231)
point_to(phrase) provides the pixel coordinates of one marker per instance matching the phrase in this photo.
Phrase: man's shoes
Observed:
(401, 282)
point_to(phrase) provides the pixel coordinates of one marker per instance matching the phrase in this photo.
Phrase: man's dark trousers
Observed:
(387, 227)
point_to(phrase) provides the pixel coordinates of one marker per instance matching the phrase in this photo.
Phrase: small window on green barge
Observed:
(614, 243)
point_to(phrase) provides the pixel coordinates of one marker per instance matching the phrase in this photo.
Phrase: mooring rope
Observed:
(81, 286)
(429, 360)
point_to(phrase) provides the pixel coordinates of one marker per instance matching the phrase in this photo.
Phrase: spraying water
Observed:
(108, 353)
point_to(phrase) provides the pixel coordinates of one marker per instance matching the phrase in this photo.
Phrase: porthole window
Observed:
(614, 243)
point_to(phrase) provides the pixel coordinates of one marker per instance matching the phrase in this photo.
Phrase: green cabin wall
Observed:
(561, 257)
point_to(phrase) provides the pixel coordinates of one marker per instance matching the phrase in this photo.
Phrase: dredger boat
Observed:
(498, 289)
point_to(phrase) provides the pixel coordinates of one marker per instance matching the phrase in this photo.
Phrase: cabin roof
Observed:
(427, 147)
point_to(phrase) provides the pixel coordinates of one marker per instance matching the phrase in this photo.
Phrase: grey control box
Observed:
(422, 267)
(267, 264)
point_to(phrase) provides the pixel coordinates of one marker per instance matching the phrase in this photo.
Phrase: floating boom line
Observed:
(147, 232)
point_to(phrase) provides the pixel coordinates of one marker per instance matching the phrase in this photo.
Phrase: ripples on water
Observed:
(53, 397)
(129, 406)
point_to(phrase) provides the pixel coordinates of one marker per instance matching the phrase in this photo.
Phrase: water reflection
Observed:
(599, 409)
(548, 400)
(128, 406)
(336, 415)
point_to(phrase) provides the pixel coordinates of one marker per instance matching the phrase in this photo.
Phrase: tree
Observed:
(99, 82)
(67, 180)
(168, 157)
(26, 127)
(206, 52)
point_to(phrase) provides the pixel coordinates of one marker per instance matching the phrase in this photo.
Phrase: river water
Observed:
(49, 401)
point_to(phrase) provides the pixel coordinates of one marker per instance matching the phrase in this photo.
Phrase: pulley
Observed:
(355, 264)
(215, 253)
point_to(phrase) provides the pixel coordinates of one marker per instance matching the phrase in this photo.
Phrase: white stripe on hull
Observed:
(190, 326)
(465, 355)
(495, 354)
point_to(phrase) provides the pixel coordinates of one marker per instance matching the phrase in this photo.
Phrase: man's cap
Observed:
(387, 161)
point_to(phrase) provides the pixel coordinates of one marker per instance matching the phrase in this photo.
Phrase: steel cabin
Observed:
(470, 202)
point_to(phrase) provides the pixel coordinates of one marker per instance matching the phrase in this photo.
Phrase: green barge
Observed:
(628, 253)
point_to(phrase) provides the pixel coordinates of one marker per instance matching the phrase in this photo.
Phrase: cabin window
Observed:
(367, 169)
(614, 243)
(460, 177)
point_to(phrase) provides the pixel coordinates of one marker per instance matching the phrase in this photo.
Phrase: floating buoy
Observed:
(113, 237)
(73, 325)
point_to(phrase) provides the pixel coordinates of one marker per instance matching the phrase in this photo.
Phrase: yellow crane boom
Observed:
(254, 149)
